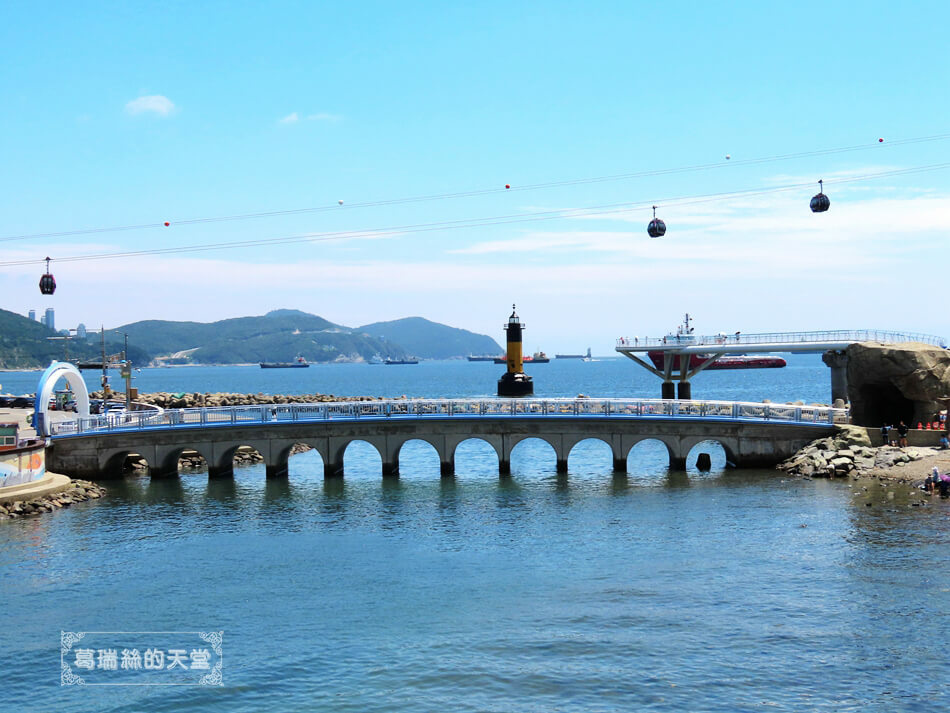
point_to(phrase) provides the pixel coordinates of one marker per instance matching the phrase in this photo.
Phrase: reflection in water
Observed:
(677, 479)
(619, 484)
(224, 490)
(277, 489)
(160, 490)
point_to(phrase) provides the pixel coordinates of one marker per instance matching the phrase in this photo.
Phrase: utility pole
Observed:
(105, 374)
(127, 373)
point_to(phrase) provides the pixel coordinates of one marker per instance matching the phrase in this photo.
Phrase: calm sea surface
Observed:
(591, 591)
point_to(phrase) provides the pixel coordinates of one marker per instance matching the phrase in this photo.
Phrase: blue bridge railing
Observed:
(449, 408)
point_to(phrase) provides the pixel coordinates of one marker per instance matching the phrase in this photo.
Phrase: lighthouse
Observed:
(514, 382)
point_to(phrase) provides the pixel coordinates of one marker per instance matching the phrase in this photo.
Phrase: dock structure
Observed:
(677, 349)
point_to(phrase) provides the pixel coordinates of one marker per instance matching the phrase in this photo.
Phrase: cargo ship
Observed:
(536, 358)
(724, 362)
(586, 357)
(684, 336)
(298, 363)
(485, 357)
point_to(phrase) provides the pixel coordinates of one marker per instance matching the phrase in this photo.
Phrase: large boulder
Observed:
(888, 384)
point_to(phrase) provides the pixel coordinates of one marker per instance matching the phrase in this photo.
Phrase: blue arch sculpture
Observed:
(54, 372)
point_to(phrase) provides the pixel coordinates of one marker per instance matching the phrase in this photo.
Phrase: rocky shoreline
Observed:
(78, 491)
(849, 454)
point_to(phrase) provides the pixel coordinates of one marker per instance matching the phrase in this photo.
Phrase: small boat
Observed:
(401, 361)
(487, 357)
(298, 363)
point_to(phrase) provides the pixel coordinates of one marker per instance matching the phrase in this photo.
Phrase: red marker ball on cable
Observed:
(880, 141)
(167, 223)
(507, 185)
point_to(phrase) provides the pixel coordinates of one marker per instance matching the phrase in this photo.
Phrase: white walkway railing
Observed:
(792, 339)
(450, 408)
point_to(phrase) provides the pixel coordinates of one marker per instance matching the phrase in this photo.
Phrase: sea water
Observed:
(590, 591)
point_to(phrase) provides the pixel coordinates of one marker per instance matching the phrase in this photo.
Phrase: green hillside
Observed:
(24, 345)
(280, 335)
(431, 340)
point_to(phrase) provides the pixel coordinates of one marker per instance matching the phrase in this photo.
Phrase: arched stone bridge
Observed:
(752, 435)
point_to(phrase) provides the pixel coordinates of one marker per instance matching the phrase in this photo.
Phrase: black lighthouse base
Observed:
(515, 385)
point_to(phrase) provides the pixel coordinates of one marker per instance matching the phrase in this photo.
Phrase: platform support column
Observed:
(838, 361)
(668, 390)
(684, 391)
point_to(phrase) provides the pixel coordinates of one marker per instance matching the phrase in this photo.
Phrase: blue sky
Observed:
(147, 112)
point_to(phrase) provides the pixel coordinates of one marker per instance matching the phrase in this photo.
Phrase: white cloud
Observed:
(291, 118)
(152, 103)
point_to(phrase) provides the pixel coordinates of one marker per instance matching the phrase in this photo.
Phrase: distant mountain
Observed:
(431, 340)
(24, 345)
(280, 335)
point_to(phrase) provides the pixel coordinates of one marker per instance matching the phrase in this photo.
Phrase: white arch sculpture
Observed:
(58, 370)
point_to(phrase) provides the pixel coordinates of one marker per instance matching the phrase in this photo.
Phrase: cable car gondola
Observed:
(47, 281)
(656, 228)
(821, 202)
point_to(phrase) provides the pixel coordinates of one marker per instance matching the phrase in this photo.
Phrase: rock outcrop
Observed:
(887, 384)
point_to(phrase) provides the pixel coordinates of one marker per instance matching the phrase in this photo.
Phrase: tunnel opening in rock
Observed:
(884, 403)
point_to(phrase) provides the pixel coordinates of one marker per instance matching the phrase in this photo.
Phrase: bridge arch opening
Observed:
(649, 457)
(125, 463)
(532, 451)
(243, 456)
(709, 457)
(304, 462)
(591, 456)
(362, 460)
(417, 458)
(191, 461)
(476, 457)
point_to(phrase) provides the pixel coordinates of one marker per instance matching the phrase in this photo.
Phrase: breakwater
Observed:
(77, 492)
(166, 399)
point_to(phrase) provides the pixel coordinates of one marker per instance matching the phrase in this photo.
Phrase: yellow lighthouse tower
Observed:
(514, 382)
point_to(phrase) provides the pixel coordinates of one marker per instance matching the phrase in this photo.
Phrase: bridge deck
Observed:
(801, 342)
(454, 409)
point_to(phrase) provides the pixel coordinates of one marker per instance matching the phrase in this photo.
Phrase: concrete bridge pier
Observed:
(447, 468)
(561, 466)
(279, 470)
(620, 464)
(504, 467)
(391, 469)
(838, 361)
(220, 471)
(677, 463)
(332, 470)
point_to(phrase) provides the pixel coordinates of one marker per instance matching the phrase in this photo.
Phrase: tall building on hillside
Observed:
(50, 320)
(33, 315)
(81, 331)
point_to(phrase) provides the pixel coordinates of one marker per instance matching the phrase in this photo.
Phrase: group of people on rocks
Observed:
(937, 482)
(901, 435)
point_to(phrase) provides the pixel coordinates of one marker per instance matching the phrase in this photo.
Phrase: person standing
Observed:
(885, 431)
(902, 433)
